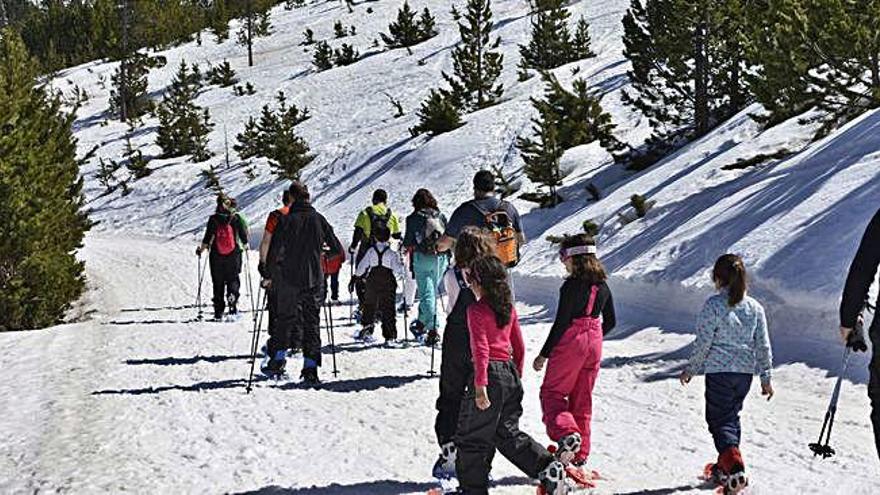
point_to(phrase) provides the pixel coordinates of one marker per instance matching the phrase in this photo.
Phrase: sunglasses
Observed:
(566, 253)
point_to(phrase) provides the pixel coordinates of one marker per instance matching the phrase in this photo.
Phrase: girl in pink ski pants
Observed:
(573, 350)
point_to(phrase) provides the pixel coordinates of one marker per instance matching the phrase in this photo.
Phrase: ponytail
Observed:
(730, 273)
(489, 273)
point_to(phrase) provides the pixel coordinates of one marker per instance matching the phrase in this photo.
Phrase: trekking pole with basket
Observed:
(855, 343)
(328, 319)
(255, 341)
(201, 277)
(249, 278)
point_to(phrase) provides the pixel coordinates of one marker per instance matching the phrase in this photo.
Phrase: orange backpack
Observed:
(501, 227)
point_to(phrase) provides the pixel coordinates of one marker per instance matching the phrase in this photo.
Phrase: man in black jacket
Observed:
(224, 237)
(294, 271)
(862, 273)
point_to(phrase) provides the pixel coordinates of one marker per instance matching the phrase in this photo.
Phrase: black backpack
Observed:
(378, 223)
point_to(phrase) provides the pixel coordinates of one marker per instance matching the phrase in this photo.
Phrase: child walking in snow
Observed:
(492, 405)
(380, 267)
(573, 350)
(732, 344)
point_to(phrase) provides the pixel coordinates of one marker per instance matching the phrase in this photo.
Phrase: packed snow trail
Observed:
(139, 398)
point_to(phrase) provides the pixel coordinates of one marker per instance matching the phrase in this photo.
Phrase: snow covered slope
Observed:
(140, 399)
(147, 401)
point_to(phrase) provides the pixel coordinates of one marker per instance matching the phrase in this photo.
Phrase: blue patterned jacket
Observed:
(732, 339)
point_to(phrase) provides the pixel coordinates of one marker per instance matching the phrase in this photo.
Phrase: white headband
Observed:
(576, 250)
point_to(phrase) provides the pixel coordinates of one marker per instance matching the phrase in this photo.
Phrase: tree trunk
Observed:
(875, 76)
(3, 20)
(701, 97)
(250, 34)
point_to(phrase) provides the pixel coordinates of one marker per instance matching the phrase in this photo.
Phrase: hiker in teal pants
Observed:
(424, 227)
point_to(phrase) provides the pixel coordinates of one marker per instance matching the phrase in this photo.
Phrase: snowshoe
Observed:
(568, 447)
(552, 480)
(365, 334)
(432, 338)
(357, 316)
(735, 483)
(417, 328)
(309, 377)
(274, 368)
(444, 468)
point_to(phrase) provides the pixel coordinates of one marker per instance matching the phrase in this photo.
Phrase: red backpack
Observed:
(224, 239)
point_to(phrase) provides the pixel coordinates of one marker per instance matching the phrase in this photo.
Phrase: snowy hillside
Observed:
(138, 397)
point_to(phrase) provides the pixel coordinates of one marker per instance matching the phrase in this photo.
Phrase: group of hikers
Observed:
(467, 260)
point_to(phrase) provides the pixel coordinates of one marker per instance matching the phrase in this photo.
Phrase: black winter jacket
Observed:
(862, 273)
(295, 251)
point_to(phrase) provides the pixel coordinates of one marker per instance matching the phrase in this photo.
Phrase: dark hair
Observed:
(424, 199)
(285, 197)
(586, 267)
(490, 274)
(730, 273)
(472, 243)
(222, 203)
(484, 181)
(379, 196)
(299, 192)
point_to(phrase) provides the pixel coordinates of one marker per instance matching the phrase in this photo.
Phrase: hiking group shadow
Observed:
(378, 487)
(368, 384)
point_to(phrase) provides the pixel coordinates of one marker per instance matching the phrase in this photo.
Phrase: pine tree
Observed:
(255, 24)
(106, 174)
(218, 21)
(688, 62)
(581, 46)
(476, 64)
(274, 137)
(183, 125)
(339, 30)
(323, 57)
(308, 37)
(136, 164)
(427, 25)
(437, 115)
(404, 32)
(128, 98)
(823, 53)
(212, 180)
(550, 45)
(565, 119)
(41, 206)
(345, 55)
(222, 75)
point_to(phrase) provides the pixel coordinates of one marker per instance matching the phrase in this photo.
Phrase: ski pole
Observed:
(247, 267)
(822, 447)
(328, 317)
(436, 333)
(255, 342)
(405, 305)
(201, 277)
(351, 291)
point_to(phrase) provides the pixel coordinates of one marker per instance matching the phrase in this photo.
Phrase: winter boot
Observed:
(733, 470)
(274, 368)
(432, 339)
(568, 447)
(309, 373)
(417, 328)
(444, 468)
(231, 302)
(552, 480)
(366, 334)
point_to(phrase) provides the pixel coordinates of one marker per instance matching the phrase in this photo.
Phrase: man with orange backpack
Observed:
(224, 236)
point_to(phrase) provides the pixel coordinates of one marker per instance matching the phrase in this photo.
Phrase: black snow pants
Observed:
(874, 381)
(379, 298)
(298, 307)
(225, 280)
(294, 333)
(481, 432)
(456, 372)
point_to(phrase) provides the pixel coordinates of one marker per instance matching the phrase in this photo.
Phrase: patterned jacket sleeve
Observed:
(707, 324)
(763, 351)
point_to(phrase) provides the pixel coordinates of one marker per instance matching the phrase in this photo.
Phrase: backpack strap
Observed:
(594, 291)
(459, 277)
